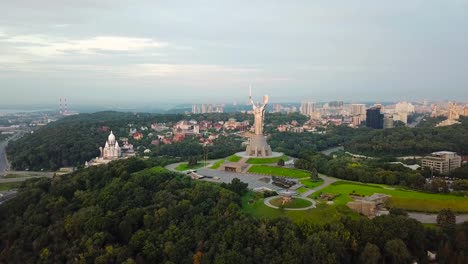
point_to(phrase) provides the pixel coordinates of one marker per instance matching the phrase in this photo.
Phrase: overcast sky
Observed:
(201, 51)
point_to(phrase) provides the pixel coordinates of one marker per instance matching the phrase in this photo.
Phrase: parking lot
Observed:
(253, 180)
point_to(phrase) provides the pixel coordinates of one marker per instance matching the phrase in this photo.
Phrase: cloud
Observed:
(161, 70)
(43, 46)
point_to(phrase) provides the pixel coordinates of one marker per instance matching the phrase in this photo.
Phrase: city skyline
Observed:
(116, 51)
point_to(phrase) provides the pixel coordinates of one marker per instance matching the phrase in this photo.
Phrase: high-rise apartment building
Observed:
(404, 107)
(374, 118)
(307, 108)
(388, 121)
(359, 110)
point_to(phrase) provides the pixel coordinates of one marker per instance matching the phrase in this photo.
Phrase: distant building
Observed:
(401, 116)
(232, 124)
(442, 162)
(159, 127)
(356, 121)
(374, 118)
(206, 108)
(453, 114)
(404, 107)
(316, 115)
(178, 138)
(187, 128)
(307, 108)
(127, 148)
(388, 121)
(359, 110)
(296, 130)
(110, 152)
(138, 136)
(112, 149)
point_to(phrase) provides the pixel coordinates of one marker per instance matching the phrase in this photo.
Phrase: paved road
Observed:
(253, 180)
(329, 151)
(21, 179)
(327, 181)
(172, 167)
(4, 165)
(416, 122)
(6, 195)
(432, 218)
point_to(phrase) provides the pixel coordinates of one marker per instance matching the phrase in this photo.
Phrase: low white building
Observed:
(442, 162)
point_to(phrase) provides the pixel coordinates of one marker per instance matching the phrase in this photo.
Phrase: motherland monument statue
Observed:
(258, 146)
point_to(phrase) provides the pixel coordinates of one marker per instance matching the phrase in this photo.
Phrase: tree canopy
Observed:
(119, 213)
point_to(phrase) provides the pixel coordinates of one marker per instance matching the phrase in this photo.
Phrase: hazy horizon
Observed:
(116, 52)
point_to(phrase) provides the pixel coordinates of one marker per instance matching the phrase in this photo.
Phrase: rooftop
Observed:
(444, 153)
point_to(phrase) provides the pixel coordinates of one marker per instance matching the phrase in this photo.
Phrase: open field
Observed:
(295, 203)
(233, 158)
(267, 160)
(323, 214)
(185, 166)
(9, 185)
(301, 190)
(279, 171)
(405, 199)
(311, 184)
(216, 165)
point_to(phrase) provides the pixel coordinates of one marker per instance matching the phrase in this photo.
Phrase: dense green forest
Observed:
(74, 140)
(127, 213)
(402, 141)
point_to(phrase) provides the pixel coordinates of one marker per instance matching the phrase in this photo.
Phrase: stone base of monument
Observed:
(243, 155)
(258, 147)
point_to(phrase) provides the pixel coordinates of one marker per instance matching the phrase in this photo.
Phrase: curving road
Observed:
(327, 181)
(4, 165)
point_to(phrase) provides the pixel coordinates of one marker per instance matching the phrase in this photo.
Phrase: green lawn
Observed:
(301, 190)
(233, 158)
(216, 165)
(323, 214)
(279, 171)
(311, 184)
(185, 166)
(9, 186)
(405, 199)
(295, 203)
(267, 160)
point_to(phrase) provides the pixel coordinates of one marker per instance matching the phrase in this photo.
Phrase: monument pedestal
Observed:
(258, 147)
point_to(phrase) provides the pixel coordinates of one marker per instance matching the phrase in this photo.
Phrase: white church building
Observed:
(111, 151)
